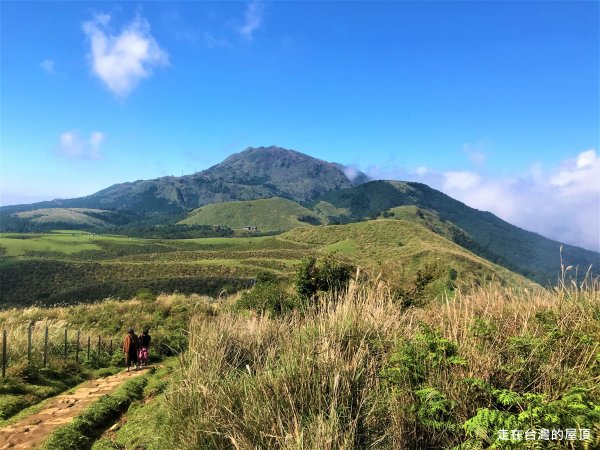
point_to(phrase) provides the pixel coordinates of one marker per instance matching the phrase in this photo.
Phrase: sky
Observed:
(494, 103)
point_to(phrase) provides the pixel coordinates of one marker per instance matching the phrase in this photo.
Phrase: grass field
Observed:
(22, 244)
(270, 214)
(67, 267)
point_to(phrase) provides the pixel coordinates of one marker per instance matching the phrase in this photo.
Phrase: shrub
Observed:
(309, 219)
(419, 292)
(267, 296)
(145, 296)
(575, 409)
(329, 275)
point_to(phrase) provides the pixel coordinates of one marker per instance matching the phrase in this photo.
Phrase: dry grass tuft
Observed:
(340, 374)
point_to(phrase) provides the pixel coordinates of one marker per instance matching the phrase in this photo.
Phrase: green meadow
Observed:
(269, 214)
(70, 267)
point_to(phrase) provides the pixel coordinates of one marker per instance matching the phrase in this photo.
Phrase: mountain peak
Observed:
(284, 165)
(256, 172)
(291, 174)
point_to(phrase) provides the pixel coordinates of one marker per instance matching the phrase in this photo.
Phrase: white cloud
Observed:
(422, 170)
(587, 159)
(579, 177)
(460, 180)
(252, 19)
(122, 61)
(47, 65)
(562, 203)
(72, 145)
(350, 172)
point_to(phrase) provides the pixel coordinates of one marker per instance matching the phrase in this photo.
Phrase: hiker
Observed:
(130, 348)
(144, 347)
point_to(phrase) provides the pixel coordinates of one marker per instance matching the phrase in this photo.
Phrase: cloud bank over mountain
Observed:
(562, 202)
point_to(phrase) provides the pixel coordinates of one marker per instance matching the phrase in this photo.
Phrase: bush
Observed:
(309, 219)
(268, 296)
(106, 372)
(420, 290)
(145, 296)
(98, 360)
(329, 275)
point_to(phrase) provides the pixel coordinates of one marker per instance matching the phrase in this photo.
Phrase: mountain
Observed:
(481, 232)
(276, 189)
(254, 173)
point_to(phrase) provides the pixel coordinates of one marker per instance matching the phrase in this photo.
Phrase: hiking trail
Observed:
(31, 431)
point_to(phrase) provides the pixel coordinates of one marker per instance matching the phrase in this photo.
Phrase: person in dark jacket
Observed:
(130, 348)
(144, 341)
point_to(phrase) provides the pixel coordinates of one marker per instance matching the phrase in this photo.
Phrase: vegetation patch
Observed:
(144, 425)
(354, 370)
(270, 214)
(345, 246)
(27, 385)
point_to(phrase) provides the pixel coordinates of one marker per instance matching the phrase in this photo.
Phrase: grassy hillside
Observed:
(351, 370)
(270, 214)
(167, 316)
(399, 250)
(519, 250)
(91, 218)
(277, 189)
(74, 267)
(358, 372)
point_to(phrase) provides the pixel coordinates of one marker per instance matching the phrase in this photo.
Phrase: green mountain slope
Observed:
(54, 217)
(271, 214)
(70, 267)
(485, 234)
(399, 249)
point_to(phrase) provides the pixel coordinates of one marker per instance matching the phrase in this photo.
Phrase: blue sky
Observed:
(480, 99)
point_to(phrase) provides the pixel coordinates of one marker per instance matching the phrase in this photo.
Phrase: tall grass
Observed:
(167, 317)
(356, 371)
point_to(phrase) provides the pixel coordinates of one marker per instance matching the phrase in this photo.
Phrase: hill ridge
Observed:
(256, 172)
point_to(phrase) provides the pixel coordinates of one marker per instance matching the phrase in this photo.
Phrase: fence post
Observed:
(45, 346)
(89, 340)
(3, 353)
(77, 348)
(99, 344)
(65, 353)
(29, 330)
(111, 347)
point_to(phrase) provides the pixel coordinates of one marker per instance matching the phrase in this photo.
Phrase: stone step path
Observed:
(33, 430)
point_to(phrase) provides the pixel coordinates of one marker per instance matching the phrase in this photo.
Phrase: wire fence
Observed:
(41, 345)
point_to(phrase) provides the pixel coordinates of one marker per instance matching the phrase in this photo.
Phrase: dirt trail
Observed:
(34, 429)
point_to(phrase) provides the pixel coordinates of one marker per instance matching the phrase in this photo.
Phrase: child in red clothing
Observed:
(144, 340)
